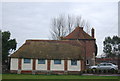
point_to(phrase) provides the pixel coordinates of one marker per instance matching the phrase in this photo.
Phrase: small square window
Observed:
(57, 61)
(41, 61)
(73, 62)
(27, 60)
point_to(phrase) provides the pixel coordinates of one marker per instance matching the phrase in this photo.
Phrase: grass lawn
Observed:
(28, 76)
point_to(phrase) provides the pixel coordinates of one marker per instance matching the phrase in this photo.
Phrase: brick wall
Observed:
(19, 64)
(48, 65)
(65, 65)
(34, 64)
(89, 50)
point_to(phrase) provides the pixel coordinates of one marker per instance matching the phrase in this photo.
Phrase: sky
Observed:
(119, 19)
(32, 20)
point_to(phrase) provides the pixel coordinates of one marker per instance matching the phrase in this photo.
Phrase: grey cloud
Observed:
(32, 20)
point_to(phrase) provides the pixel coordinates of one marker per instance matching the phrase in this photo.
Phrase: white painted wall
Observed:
(57, 67)
(41, 66)
(14, 64)
(27, 66)
(74, 67)
(53, 67)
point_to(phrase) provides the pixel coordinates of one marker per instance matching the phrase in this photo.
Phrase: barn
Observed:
(70, 55)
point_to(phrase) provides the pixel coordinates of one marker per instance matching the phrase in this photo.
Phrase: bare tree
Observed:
(63, 25)
(87, 27)
(58, 28)
(70, 23)
(82, 23)
(78, 21)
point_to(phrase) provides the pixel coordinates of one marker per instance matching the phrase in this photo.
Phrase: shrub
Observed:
(98, 71)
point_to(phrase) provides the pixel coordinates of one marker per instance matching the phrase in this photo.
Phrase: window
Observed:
(102, 64)
(57, 61)
(87, 62)
(27, 60)
(41, 61)
(73, 62)
(109, 64)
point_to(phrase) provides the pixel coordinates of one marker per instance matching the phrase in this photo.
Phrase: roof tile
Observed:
(78, 33)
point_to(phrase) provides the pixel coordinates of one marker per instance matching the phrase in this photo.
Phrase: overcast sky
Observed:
(32, 20)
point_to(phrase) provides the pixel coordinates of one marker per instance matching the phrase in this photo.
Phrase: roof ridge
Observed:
(78, 33)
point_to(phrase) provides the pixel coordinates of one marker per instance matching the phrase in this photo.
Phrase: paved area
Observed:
(102, 74)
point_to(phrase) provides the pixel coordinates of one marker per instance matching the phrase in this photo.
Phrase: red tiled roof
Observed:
(78, 33)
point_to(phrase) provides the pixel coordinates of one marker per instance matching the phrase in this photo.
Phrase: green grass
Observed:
(28, 76)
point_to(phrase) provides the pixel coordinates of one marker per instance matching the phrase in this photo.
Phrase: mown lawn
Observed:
(28, 76)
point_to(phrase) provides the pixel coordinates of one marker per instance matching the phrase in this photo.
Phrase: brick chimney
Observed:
(92, 32)
(81, 28)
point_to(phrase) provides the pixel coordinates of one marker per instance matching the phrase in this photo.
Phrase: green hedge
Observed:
(97, 71)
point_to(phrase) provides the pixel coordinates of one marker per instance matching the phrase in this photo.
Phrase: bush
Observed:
(98, 71)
